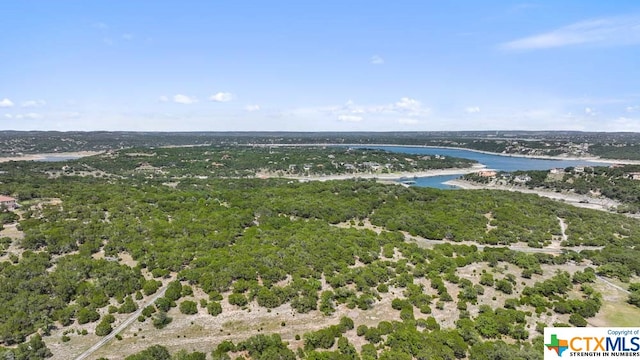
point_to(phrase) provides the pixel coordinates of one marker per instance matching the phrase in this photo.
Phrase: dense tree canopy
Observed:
(317, 246)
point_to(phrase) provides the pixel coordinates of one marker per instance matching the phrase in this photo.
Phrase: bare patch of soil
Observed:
(11, 231)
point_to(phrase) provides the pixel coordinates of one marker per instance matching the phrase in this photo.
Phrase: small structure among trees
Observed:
(8, 202)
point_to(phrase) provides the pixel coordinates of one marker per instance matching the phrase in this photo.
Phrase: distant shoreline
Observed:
(583, 201)
(541, 157)
(547, 157)
(384, 177)
(80, 154)
(42, 156)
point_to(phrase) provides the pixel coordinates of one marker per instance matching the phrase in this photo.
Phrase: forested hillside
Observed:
(531, 143)
(619, 183)
(276, 268)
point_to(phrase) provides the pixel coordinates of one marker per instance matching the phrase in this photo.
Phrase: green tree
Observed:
(184, 355)
(188, 307)
(634, 295)
(504, 286)
(85, 315)
(155, 352)
(174, 290)
(164, 304)
(151, 286)
(214, 308)
(161, 319)
(577, 320)
(238, 299)
(128, 306)
(103, 328)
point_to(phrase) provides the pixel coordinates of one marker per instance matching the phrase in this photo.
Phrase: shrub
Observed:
(161, 319)
(87, 315)
(577, 320)
(128, 307)
(104, 328)
(214, 308)
(151, 286)
(164, 304)
(148, 311)
(361, 330)
(188, 307)
(238, 299)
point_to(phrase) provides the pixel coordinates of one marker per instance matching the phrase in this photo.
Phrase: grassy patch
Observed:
(615, 310)
(620, 314)
(236, 326)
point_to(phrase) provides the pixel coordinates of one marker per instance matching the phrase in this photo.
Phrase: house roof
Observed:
(6, 198)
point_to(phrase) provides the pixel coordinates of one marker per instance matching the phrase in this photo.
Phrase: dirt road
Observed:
(124, 324)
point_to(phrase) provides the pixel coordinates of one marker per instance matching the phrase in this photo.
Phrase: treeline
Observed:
(624, 150)
(35, 296)
(241, 161)
(35, 348)
(607, 145)
(615, 183)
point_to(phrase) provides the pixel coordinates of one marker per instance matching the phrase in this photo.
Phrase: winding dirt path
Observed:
(124, 324)
(563, 229)
(617, 287)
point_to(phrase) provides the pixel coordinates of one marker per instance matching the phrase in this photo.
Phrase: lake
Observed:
(495, 162)
(56, 158)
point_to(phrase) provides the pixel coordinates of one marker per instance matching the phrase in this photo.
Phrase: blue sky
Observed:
(328, 65)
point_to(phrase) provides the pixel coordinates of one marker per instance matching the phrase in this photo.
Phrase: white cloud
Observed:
(184, 99)
(366, 117)
(589, 111)
(29, 116)
(405, 108)
(404, 121)
(33, 103)
(6, 103)
(8, 116)
(624, 124)
(352, 108)
(408, 104)
(349, 118)
(163, 98)
(221, 97)
(376, 60)
(608, 31)
(631, 109)
(472, 109)
(252, 108)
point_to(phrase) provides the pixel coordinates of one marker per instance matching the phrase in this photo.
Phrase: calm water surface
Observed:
(495, 162)
(54, 158)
